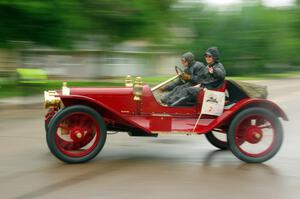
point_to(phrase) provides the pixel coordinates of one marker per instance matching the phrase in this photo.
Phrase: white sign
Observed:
(213, 102)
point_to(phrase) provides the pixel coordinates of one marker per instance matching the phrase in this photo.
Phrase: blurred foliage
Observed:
(58, 23)
(15, 88)
(251, 38)
(32, 20)
(122, 20)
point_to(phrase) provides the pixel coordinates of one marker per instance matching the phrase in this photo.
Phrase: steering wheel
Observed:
(179, 72)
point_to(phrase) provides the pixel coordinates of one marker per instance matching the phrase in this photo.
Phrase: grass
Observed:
(11, 88)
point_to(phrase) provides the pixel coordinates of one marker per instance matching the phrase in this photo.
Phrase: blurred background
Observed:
(99, 42)
(95, 42)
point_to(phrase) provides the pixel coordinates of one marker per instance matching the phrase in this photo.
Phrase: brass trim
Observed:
(174, 132)
(161, 115)
(138, 89)
(164, 83)
(51, 99)
(128, 81)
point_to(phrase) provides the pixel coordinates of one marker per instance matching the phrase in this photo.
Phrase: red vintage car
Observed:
(78, 119)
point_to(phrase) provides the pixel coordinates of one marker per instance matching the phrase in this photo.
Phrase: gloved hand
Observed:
(185, 77)
(162, 89)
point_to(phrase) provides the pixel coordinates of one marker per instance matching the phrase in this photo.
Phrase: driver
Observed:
(189, 78)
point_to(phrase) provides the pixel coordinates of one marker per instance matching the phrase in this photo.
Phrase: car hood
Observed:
(98, 92)
(118, 99)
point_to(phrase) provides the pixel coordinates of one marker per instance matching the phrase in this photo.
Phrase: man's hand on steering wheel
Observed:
(185, 77)
(178, 70)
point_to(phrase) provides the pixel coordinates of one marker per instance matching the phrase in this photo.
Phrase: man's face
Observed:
(209, 59)
(184, 62)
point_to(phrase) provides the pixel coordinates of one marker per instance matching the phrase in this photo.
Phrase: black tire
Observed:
(215, 141)
(55, 121)
(276, 141)
(46, 127)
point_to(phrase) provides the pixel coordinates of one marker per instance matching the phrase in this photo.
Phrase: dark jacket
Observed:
(193, 69)
(215, 79)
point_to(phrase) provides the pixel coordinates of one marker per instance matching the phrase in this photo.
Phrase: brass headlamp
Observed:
(138, 89)
(51, 100)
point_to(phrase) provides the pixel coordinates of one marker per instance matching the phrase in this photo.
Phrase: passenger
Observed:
(211, 76)
(190, 78)
(214, 73)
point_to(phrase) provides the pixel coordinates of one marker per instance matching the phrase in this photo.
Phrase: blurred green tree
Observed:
(251, 38)
(123, 20)
(31, 20)
(60, 22)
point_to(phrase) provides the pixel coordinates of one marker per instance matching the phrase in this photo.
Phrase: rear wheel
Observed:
(255, 135)
(217, 139)
(76, 134)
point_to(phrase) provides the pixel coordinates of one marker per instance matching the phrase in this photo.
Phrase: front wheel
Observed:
(255, 135)
(76, 134)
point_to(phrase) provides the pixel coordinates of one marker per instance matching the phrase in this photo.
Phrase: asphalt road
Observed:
(173, 166)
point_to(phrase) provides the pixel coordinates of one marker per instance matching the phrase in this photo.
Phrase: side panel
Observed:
(149, 116)
(120, 109)
(150, 106)
(149, 123)
(171, 124)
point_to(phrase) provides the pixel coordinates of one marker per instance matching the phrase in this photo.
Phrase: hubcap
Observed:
(253, 134)
(78, 135)
(257, 135)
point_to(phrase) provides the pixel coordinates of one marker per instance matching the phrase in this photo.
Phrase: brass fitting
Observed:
(51, 100)
(128, 81)
(65, 90)
(138, 89)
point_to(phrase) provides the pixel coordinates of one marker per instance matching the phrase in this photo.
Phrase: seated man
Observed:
(214, 73)
(190, 78)
(211, 76)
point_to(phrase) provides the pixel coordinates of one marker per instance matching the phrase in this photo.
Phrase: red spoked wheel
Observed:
(255, 135)
(76, 134)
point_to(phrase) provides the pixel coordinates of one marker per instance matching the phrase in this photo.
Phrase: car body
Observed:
(137, 110)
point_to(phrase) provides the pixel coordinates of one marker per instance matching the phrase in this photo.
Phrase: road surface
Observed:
(170, 166)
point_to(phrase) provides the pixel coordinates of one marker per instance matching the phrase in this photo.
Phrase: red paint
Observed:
(117, 107)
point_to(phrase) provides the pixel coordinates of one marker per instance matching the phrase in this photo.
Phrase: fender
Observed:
(230, 112)
(104, 110)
